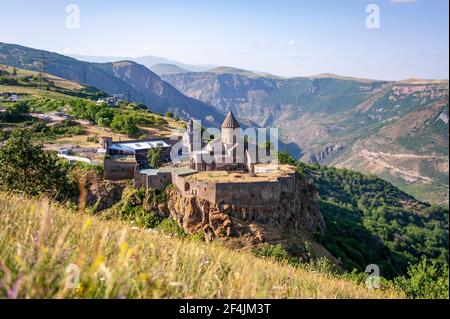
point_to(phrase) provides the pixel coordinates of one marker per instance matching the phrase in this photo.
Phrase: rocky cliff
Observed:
(296, 212)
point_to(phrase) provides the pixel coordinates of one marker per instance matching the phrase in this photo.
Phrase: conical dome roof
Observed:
(230, 121)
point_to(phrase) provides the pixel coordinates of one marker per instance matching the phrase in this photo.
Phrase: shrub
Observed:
(124, 124)
(275, 252)
(171, 227)
(15, 113)
(169, 115)
(154, 156)
(425, 280)
(28, 169)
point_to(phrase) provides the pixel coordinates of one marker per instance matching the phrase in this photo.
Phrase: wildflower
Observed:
(143, 277)
(98, 261)
(123, 248)
(87, 224)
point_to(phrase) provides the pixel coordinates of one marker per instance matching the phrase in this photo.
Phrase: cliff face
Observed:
(294, 212)
(97, 194)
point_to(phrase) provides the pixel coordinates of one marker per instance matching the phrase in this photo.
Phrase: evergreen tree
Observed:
(154, 156)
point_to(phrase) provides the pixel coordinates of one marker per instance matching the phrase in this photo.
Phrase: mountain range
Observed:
(129, 78)
(149, 61)
(396, 130)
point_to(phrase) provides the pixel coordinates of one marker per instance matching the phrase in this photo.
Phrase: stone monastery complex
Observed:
(232, 176)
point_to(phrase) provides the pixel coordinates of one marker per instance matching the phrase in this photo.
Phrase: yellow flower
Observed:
(143, 277)
(98, 261)
(80, 290)
(87, 224)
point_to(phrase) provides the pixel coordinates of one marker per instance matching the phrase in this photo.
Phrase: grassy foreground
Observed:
(42, 247)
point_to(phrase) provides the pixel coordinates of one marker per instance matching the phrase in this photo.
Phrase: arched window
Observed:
(187, 187)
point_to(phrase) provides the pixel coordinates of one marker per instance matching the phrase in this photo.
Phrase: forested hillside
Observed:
(370, 221)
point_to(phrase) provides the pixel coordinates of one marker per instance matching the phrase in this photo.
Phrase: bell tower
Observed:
(188, 136)
(228, 136)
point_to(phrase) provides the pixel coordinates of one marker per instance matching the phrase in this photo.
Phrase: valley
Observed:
(362, 219)
(396, 130)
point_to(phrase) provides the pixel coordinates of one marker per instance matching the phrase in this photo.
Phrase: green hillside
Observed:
(370, 221)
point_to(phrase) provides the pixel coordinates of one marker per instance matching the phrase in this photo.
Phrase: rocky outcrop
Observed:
(97, 194)
(327, 153)
(295, 211)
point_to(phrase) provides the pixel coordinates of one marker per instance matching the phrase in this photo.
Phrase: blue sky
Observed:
(291, 38)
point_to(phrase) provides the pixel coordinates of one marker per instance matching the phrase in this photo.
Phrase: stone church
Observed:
(229, 152)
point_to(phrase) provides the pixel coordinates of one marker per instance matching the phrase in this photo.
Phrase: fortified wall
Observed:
(220, 201)
(118, 170)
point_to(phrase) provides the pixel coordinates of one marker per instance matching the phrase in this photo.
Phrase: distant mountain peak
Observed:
(242, 72)
(340, 77)
(167, 68)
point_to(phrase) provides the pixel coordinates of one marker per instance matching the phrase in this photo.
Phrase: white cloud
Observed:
(263, 44)
(293, 55)
(292, 43)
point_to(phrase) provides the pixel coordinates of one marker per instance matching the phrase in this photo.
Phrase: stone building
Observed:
(123, 159)
(229, 152)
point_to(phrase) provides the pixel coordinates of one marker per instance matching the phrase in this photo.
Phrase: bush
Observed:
(15, 113)
(137, 216)
(275, 252)
(169, 115)
(28, 169)
(125, 124)
(154, 156)
(92, 139)
(171, 227)
(7, 81)
(425, 281)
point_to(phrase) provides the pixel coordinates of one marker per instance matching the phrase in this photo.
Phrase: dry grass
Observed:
(38, 242)
(59, 82)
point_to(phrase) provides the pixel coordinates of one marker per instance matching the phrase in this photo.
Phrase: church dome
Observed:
(230, 121)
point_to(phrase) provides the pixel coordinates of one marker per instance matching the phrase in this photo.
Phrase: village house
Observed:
(122, 159)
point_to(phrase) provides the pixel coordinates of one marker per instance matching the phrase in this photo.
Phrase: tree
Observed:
(286, 158)
(154, 156)
(426, 280)
(14, 72)
(169, 115)
(28, 169)
(104, 121)
(15, 113)
(124, 124)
